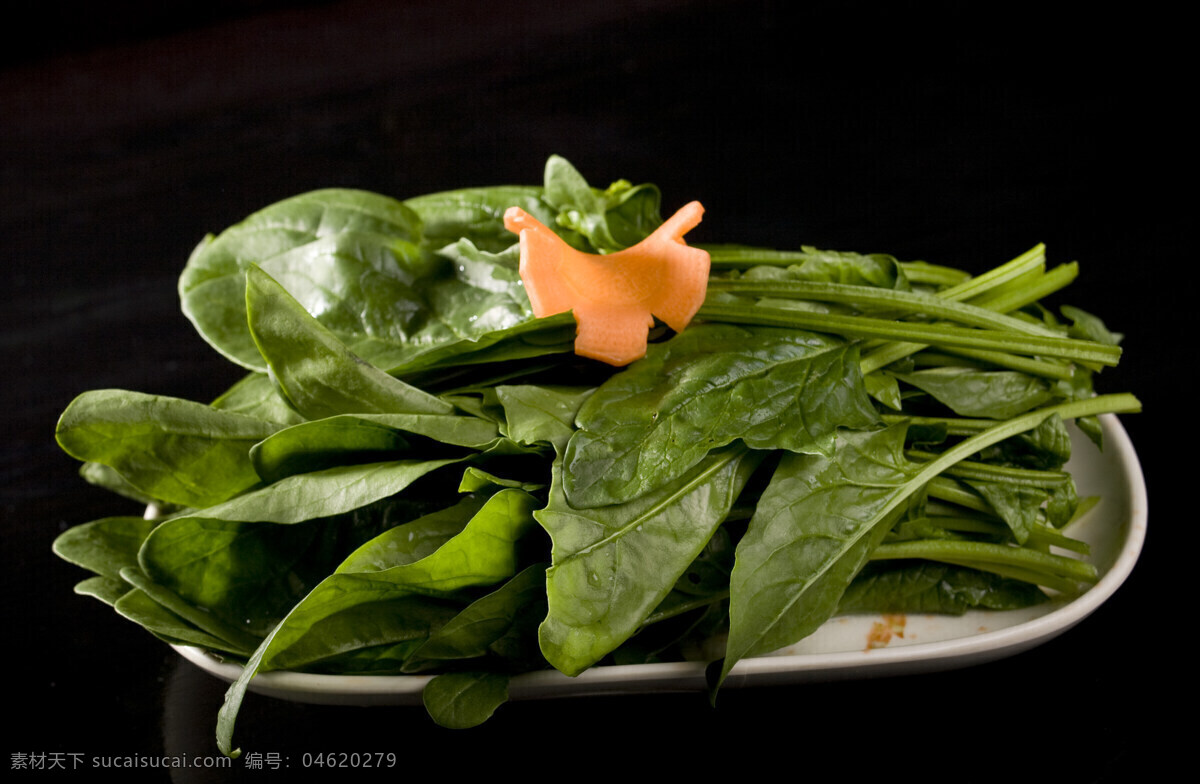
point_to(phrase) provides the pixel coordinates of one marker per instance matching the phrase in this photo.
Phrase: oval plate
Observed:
(845, 647)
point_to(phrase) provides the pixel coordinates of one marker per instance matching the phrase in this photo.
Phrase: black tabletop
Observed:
(950, 137)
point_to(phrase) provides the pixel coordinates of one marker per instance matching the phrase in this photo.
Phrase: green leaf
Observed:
(257, 396)
(1088, 327)
(170, 449)
(380, 595)
(349, 439)
(106, 589)
(473, 632)
(477, 214)
(137, 606)
(995, 394)
(926, 587)
(701, 390)
(819, 519)
(350, 256)
(110, 479)
(612, 565)
(541, 414)
(812, 531)
(332, 491)
(105, 546)
(460, 700)
(610, 220)
(319, 375)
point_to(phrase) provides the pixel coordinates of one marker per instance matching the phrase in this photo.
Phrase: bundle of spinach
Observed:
(418, 476)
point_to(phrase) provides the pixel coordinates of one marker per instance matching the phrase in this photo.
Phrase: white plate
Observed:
(849, 647)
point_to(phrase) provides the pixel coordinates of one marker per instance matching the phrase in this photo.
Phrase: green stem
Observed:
(1032, 259)
(1035, 367)
(933, 274)
(721, 257)
(1046, 564)
(683, 607)
(986, 472)
(903, 302)
(1038, 534)
(1045, 285)
(1104, 404)
(945, 489)
(925, 334)
(1003, 302)
(955, 426)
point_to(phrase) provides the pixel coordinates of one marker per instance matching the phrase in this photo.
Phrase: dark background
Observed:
(927, 131)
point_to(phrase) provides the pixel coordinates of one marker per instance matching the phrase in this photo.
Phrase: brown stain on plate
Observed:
(882, 631)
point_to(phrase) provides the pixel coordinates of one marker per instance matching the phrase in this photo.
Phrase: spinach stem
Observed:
(683, 607)
(925, 334)
(1005, 302)
(984, 552)
(986, 472)
(905, 302)
(1118, 403)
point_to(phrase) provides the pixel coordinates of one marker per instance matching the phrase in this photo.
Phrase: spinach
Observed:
(417, 476)
(929, 587)
(351, 256)
(703, 389)
(996, 394)
(812, 531)
(612, 565)
(346, 439)
(408, 593)
(610, 220)
(820, 518)
(104, 546)
(168, 449)
(316, 372)
(459, 700)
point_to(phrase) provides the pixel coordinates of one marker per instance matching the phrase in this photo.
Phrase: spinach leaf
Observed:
(701, 390)
(459, 700)
(136, 606)
(348, 439)
(256, 395)
(611, 220)
(170, 449)
(473, 301)
(812, 531)
(332, 491)
(995, 394)
(104, 546)
(927, 587)
(613, 565)
(1017, 505)
(1088, 327)
(819, 519)
(828, 266)
(234, 636)
(110, 479)
(251, 574)
(541, 414)
(314, 369)
(1047, 447)
(475, 631)
(387, 596)
(350, 256)
(477, 215)
(106, 589)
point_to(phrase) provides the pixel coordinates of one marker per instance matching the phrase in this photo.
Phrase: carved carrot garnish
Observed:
(614, 297)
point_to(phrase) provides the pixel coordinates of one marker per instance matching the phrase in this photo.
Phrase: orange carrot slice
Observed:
(614, 297)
